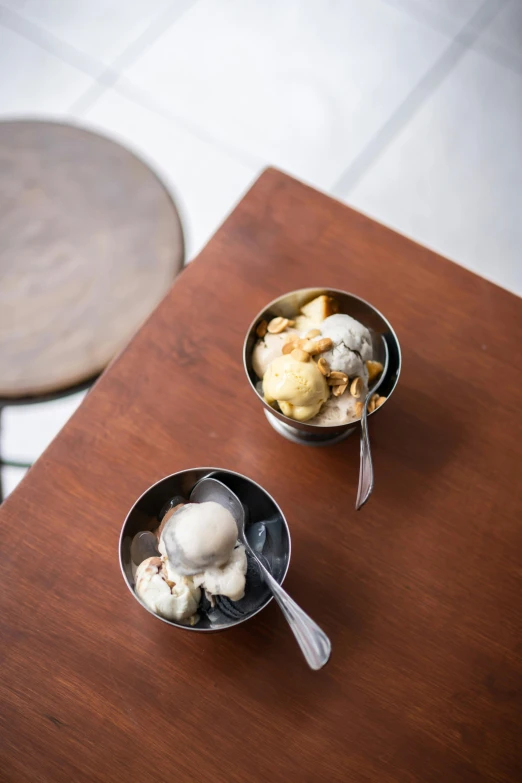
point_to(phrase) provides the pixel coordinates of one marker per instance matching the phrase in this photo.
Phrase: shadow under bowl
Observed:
(145, 514)
(289, 306)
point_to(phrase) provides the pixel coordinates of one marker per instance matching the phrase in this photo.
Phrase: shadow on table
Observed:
(424, 432)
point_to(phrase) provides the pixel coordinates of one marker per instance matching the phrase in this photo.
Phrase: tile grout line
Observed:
(416, 97)
(131, 92)
(105, 77)
(130, 55)
(127, 89)
(424, 14)
(500, 53)
(50, 43)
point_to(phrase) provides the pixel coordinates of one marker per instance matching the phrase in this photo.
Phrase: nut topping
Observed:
(337, 378)
(338, 390)
(313, 348)
(373, 403)
(356, 387)
(374, 370)
(277, 325)
(324, 367)
(299, 355)
(261, 328)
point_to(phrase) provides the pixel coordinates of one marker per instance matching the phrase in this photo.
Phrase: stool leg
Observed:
(10, 463)
(1, 487)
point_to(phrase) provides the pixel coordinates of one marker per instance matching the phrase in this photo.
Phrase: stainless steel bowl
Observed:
(260, 507)
(288, 306)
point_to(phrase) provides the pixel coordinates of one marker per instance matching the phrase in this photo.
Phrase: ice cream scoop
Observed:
(298, 387)
(228, 580)
(174, 600)
(337, 410)
(198, 536)
(266, 350)
(199, 543)
(352, 345)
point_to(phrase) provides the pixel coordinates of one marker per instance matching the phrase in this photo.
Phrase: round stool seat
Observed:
(90, 241)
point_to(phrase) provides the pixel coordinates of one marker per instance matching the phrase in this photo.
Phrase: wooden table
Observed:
(420, 591)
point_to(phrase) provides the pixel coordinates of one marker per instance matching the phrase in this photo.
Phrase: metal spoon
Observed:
(144, 545)
(366, 477)
(313, 642)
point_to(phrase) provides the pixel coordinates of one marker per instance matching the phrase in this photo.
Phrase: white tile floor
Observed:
(409, 110)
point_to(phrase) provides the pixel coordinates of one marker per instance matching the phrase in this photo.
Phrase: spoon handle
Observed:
(314, 643)
(366, 477)
(365, 487)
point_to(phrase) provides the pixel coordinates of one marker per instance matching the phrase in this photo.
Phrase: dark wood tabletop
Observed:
(420, 591)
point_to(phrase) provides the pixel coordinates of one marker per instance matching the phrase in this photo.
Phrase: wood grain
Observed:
(90, 241)
(420, 592)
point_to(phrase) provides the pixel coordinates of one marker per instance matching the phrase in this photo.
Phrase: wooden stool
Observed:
(90, 241)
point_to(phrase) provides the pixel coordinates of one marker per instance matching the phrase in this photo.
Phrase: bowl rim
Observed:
(287, 419)
(173, 623)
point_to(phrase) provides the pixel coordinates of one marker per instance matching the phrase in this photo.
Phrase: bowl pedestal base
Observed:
(322, 438)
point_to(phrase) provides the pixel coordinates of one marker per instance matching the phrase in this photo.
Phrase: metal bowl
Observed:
(146, 514)
(288, 306)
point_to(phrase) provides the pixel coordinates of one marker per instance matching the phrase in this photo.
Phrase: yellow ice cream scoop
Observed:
(299, 388)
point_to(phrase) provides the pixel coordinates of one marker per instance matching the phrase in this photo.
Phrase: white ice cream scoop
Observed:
(267, 349)
(173, 600)
(198, 536)
(352, 344)
(229, 580)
